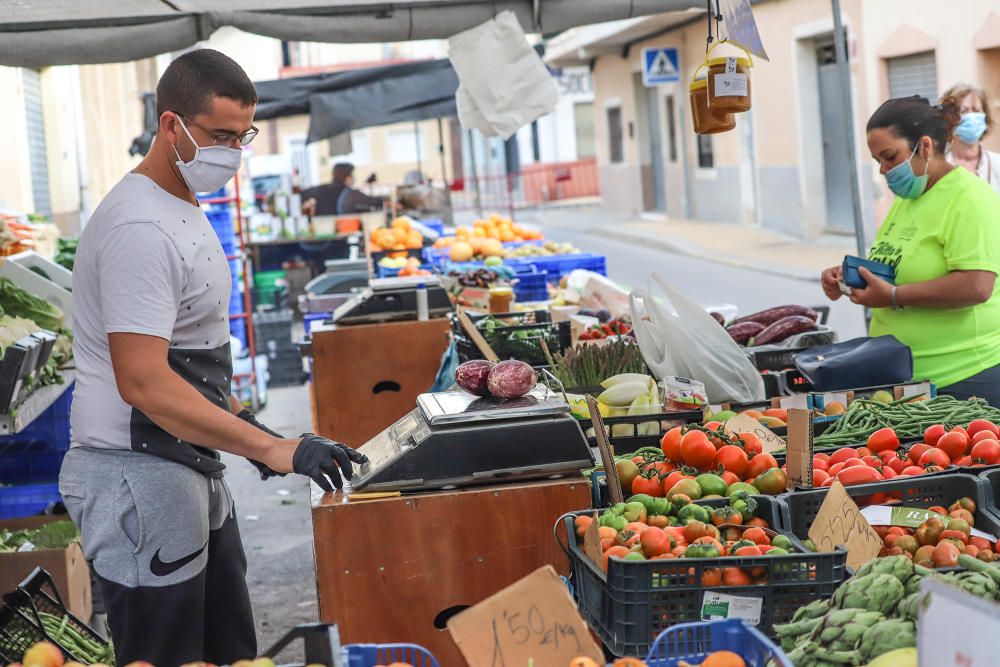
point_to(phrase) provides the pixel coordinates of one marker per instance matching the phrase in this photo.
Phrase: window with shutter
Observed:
(914, 75)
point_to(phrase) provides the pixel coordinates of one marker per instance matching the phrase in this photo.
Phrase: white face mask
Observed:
(211, 167)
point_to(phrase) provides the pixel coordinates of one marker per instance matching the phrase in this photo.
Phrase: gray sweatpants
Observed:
(165, 546)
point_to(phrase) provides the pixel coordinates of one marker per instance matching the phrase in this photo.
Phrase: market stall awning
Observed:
(339, 102)
(38, 33)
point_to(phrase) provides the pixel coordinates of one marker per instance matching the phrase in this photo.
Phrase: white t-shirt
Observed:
(148, 263)
(989, 166)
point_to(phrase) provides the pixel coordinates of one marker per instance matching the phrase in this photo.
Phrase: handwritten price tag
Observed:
(532, 620)
(747, 424)
(840, 522)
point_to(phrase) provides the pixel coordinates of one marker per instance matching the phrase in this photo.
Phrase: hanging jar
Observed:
(729, 82)
(705, 120)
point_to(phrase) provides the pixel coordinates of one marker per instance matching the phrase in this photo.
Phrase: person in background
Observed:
(943, 238)
(339, 197)
(967, 149)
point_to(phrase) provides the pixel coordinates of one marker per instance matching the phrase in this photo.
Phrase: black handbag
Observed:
(857, 363)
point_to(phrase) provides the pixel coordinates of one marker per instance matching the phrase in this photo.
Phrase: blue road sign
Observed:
(660, 66)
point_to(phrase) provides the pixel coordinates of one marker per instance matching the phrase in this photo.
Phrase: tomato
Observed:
(822, 455)
(986, 451)
(715, 427)
(872, 462)
(751, 444)
(672, 479)
(828, 481)
(912, 470)
(884, 439)
(711, 577)
(859, 475)
(732, 459)
(662, 468)
(959, 429)
(887, 456)
(964, 461)
(771, 482)
(983, 435)
(756, 535)
(655, 542)
(835, 469)
(650, 486)
(671, 443)
(934, 457)
(916, 451)
(627, 472)
(734, 576)
(953, 444)
(729, 478)
(980, 425)
(864, 451)
(933, 434)
(850, 463)
(820, 464)
(819, 476)
(696, 450)
(888, 473)
(759, 464)
(842, 455)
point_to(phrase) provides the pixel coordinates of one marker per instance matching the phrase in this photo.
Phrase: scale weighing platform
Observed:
(456, 439)
(388, 299)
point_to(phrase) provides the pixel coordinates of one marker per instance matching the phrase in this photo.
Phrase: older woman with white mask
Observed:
(967, 150)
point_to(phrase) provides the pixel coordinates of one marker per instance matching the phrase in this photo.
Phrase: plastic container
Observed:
(372, 655)
(501, 298)
(729, 85)
(693, 642)
(630, 604)
(535, 324)
(557, 266)
(320, 640)
(27, 499)
(705, 121)
(623, 432)
(531, 284)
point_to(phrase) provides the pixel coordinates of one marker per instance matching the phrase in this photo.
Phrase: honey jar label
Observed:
(731, 85)
(730, 65)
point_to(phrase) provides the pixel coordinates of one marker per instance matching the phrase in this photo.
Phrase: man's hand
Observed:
(323, 460)
(831, 282)
(265, 472)
(878, 293)
(309, 207)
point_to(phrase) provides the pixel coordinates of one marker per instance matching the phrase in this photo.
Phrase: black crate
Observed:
(536, 324)
(923, 491)
(630, 604)
(21, 620)
(991, 477)
(623, 432)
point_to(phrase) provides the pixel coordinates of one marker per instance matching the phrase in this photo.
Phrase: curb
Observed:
(698, 252)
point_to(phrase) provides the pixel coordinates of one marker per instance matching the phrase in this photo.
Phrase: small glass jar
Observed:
(729, 89)
(705, 121)
(501, 298)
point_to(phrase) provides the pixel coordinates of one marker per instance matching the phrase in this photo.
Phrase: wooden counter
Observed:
(366, 376)
(395, 570)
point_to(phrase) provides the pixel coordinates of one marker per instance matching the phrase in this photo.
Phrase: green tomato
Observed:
(741, 486)
(777, 551)
(693, 512)
(649, 502)
(711, 484)
(781, 542)
(701, 551)
(633, 556)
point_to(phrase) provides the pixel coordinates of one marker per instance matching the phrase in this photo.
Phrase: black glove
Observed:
(319, 459)
(265, 472)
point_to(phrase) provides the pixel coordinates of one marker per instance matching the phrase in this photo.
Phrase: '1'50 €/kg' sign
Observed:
(839, 522)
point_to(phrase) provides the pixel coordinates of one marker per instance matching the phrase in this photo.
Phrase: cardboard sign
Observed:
(607, 454)
(592, 541)
(796, 402)
(532, 621)
(839, 522)
(747, 424)
(948, 618)
(799, 460)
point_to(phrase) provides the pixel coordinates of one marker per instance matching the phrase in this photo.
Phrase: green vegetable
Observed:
(55, 535)
(589, 365)
(15, 301)
(874, 592)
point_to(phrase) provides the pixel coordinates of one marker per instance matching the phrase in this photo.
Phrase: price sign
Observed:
(533, 620)
(839, 522)
(953, 627)
(799, 461)
(716, 606)
(747, 424)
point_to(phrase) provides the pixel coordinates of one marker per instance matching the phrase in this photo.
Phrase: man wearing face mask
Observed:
(943, 238)
(967, 149)
(143, 479)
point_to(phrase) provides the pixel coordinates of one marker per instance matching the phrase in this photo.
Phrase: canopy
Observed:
(39, 33)
(339, 102)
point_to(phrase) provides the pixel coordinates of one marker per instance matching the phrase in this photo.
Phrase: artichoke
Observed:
(913, 584)
(815, 609)
(975, 583)
(872, 592)
(909, 607)
(843, 629)
(900, 567)
(888, 636)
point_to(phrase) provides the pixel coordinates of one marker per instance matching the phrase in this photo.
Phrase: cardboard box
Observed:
(68, 567)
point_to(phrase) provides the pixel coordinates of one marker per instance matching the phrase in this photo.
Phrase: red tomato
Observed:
(916, 451)
(986, 451)
(819, 476)
(884, 439)
(671, 480)
(912, 470)
(651, 486)
(671, 443)
(696, 450)
(933, 434)
(716, 427)
(858, 475)
(887, 456)
(751, 444)
(661, 467)
(898, 464)
(983, 435)
(822, 455)
(850, 463)
(732, 459)
(843, 454)
(980, 425)
(964, 461)
(959, 429)
(934, 457)
(953, 444)
(729, 478)
(872, 462)
(820, 464)
(828, 481)
(835, 469)
(888, 473)
(759, 464)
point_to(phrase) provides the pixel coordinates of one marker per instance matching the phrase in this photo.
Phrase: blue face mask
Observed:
(972, 128)
(903, 182)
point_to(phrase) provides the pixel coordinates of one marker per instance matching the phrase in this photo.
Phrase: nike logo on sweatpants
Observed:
(162, 569)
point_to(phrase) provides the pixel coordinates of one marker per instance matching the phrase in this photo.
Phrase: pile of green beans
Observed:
(908, 417)
(84, 649)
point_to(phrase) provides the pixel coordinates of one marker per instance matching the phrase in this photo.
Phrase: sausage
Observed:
(783, 328)
(744, 331)
(772, 315)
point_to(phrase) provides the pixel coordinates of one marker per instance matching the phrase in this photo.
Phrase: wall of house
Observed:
(15, 174)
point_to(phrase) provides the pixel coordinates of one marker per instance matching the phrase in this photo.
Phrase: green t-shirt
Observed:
(954, 226)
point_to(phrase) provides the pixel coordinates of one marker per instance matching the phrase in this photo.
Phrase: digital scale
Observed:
(456, 439)
(388, 299)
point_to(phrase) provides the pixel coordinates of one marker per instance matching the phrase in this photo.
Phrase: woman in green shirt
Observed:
(942, 235)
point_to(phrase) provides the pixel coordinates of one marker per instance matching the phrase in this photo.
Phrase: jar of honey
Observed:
(501, 298)
(729, 85)
(705, 120)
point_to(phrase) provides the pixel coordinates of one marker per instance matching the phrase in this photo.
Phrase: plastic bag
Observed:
(679, 338)
(504, 84)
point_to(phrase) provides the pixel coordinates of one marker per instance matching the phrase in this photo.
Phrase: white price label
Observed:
(718, 606)
(948, 618)
(731, 85)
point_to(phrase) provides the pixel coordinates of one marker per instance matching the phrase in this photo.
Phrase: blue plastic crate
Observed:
(27, 499)
(51, 427)
(692, 642)
(370, 655)
(531, 285)
(309, 319)
(386, 272)
(558, 266)
(29, 462)
(433, 224)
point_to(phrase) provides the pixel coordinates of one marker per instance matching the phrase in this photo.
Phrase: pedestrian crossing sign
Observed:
(660, 66)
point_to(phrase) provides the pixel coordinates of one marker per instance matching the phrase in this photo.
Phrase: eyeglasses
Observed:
(225, 138)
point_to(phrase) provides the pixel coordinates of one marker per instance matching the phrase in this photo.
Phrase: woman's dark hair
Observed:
(911, 118)
(193, 79)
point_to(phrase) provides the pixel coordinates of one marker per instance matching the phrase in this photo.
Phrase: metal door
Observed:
(653, 111)
(836, 169)
(37, 157)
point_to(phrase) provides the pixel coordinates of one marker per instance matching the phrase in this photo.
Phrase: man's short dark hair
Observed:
(193, 79)
(341, 171)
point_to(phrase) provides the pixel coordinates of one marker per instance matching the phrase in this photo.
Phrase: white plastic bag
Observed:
(677, 337)
(504, 85)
